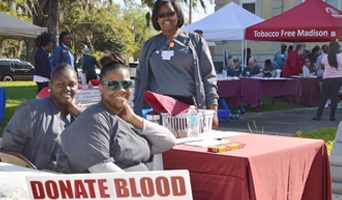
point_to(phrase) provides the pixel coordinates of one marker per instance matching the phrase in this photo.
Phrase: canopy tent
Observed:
(12, 27)
(311, 21)
(227, 24)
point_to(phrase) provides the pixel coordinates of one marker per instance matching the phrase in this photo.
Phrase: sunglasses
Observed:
(163, 15)
(114, 85)
(307, 61)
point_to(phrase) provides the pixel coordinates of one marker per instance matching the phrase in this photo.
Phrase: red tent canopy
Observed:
(311, 21)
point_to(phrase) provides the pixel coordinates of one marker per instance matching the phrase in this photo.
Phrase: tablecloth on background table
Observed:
(2, 102)
(267, 168)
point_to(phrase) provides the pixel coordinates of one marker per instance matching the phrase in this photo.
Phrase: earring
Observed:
(49, 90)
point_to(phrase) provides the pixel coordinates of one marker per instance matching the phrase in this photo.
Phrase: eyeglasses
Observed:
(163, 15)
(114, 85)
(307, 61)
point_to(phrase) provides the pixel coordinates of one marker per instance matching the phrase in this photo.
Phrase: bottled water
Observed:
(193, 122)
(224, 73)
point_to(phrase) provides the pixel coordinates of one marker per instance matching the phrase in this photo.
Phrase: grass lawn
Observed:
(19, 91)
(16, 93)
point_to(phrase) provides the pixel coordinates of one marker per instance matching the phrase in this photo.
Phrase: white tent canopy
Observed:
(12, 27)
(228, 23)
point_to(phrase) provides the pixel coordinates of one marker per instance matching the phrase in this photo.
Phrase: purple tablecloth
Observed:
(231, 90)
(254, 89)
(310, 91)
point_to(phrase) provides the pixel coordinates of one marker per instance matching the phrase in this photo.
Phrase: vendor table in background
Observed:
(311, 93)
(267, 168)
(230, 90)
(256, 88)
(2, 102)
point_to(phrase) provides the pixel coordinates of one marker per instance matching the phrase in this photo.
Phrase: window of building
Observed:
(248, 5)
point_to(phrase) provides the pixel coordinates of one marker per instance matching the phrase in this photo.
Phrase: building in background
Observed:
(265, 9)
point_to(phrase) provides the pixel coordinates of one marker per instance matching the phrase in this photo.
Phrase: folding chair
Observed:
(16, 159)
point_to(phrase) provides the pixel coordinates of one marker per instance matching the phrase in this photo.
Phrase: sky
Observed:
(197, 14)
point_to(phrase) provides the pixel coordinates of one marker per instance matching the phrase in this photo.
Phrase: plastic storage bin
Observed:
(180, 121)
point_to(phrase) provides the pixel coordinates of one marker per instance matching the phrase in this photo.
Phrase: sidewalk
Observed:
(284, 123)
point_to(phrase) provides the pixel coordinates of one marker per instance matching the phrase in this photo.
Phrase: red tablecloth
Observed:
(231, 90)
(310, 91)
(254, 89)
(268, 168)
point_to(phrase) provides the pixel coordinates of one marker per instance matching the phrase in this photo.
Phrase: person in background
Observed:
(62, 53)
(35, 125)
(254, 69)
(271, 65)
(293, 64)
(176, 63)
(42, 69)
(88, 64)
(281, 56)
(199, 32)
(231, 66)
(313, 55)
(109, 136)
(289, 49)
(248, 56)
(331, 80)
(318, 67)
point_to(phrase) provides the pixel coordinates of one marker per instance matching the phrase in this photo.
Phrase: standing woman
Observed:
(175, 63)
(35, 125)
(331, 84)
(42, 69)
(62, 53)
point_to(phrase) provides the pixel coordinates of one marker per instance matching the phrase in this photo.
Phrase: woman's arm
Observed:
(56, 56)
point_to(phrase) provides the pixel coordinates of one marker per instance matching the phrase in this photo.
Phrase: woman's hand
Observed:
(73, 109)
(215, 118)
(127, 114)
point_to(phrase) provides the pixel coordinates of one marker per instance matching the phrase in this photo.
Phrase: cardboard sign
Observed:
(134, 185)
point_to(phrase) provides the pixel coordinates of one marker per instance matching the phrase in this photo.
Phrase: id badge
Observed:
(167, 54)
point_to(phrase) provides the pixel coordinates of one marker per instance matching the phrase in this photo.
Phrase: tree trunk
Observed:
(53, 21)
(20, 48)
(190, 11)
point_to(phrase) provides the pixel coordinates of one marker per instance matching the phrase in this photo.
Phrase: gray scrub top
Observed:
(33, 129)
(99, 136)
(175, 76)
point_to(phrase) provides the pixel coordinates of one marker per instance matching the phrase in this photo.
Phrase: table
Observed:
(230, 90)
(267, 168)
(311, 93)
(2, 102)
(256, 88)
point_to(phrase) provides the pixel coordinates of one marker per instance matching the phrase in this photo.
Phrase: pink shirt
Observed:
(332, 72)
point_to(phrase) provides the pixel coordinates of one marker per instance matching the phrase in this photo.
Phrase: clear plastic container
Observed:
(193, 122)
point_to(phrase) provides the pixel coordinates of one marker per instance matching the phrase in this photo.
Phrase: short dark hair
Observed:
(62, 35)
(175, 5)
(325, 48)
(44, 39)
(315, 49)
(112, 61)
(198, 31)
(59, 68)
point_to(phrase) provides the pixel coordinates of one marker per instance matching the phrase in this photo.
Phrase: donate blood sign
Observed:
(134, 185)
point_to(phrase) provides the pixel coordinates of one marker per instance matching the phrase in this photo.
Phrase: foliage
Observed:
(16, 92)
(327, 134)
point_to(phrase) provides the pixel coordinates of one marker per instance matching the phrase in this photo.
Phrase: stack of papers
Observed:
(207, 142)
(209, 135)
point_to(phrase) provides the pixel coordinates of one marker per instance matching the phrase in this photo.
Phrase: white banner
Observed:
(134, 185)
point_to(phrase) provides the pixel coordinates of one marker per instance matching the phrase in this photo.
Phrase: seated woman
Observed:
(109, 136)
(36, 123)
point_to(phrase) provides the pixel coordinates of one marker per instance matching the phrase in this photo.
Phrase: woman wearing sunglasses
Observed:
(109, 136)
(175, 63)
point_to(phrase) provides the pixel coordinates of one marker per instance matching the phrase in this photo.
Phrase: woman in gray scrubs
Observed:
(36, 123)
(109, 136)
(175, 63)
